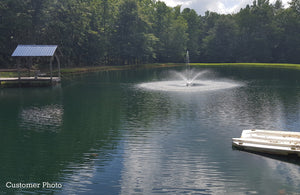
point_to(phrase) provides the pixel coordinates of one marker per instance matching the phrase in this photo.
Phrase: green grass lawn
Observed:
(271, 65)
(8, 74)
(78, 70)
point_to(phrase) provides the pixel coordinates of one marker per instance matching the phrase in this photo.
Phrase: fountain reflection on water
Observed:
(189, 82)
(49, 117)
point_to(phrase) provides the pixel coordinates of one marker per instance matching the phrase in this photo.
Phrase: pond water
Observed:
(102, 133)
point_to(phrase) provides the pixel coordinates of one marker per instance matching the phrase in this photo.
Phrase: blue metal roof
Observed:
(35, 50)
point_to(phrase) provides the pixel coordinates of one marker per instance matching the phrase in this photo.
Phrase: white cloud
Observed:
(174, 3)
(220, 6)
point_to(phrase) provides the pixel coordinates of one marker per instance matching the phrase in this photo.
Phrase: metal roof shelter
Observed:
(37, 51)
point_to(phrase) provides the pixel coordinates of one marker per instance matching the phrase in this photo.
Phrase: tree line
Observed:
(117, 32)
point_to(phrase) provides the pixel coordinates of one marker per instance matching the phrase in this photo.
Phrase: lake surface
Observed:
(100, 133)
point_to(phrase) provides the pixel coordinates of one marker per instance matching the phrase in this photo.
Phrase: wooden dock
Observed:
(29, 81)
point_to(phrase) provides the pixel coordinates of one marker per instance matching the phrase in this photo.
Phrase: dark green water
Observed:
(100, 134)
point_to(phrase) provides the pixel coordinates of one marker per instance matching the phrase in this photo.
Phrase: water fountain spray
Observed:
(188, 82)
(188, 70)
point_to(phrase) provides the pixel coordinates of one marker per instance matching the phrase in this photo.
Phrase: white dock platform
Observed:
(270, 142)
(30, 79)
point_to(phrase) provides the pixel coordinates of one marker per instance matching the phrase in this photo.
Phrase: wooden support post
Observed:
(18, 67)
(51, 60)
(58, 62)
(30, 65)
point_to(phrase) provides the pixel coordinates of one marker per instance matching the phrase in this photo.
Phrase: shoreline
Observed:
(79, 70)
(5, 73)
(265, 65)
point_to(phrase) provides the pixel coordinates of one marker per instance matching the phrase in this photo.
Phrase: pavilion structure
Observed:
(29, 52)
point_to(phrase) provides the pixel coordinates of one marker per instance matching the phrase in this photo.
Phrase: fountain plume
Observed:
(188, 70)
(188, 82)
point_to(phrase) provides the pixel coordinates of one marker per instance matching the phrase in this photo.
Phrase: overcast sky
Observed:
(219, 6)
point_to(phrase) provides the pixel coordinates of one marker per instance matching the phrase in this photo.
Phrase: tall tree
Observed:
(194, 32)
(257, 32)
(68, 28)
(170, 28)
(295, 5)
(289, 23)
(130, 33)
(161, 22)
(177, 40)
(220, 44)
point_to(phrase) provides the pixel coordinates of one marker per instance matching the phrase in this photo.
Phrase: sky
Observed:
(219, 6)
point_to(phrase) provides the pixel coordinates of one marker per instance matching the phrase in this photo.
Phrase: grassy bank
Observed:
(79, 70)
(8, 74)
(266, 65)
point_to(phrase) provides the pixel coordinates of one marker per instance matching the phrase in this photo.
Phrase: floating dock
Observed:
(270, 142)
(29, 81)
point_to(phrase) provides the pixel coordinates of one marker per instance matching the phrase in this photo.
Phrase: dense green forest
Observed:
(116, 32)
